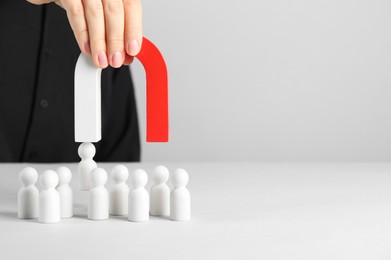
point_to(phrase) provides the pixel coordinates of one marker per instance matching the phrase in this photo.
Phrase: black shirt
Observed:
(39, 54)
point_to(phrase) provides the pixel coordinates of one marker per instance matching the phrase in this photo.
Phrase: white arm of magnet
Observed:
(87, 101)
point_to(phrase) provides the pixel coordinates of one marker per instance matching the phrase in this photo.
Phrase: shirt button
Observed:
(33, 155)
(44, 103)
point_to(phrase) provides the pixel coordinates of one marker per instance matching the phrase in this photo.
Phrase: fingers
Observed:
(133, 26)
(114, 22)
(108, 30)
(94, 14)
(75, 13)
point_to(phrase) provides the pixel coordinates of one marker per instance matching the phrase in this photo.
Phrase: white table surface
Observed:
(240, 211)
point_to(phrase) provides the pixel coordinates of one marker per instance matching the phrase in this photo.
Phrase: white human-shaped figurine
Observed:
(119, 193)
(98, 196)
(65, 191)
(28, 195)
(160, 192)
(49, 199)
(180, 196)
(86, 152)
(138, 197)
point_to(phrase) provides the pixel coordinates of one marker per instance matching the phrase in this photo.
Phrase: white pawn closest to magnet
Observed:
(86, 152)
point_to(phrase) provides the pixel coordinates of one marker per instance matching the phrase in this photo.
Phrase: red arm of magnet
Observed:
(157, 91)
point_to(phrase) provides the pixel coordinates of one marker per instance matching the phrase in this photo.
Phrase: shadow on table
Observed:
(9, 214)
(12, 215)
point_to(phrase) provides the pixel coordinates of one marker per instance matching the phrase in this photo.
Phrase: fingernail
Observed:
(116, 59)
(102, 59)
(87, 47)
(133, 48)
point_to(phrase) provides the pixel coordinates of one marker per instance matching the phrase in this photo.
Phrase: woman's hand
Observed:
(108, 30)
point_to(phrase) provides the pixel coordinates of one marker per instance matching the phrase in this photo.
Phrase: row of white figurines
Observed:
(55, 200)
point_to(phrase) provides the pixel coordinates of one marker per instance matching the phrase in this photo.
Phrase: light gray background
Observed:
(273, 80)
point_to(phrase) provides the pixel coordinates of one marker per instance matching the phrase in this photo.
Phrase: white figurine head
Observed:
(28, 176)
(119, 173)
(180, 178)
(86, 151)
(64, 175)
(98, 177)
(160, 174)
(48, 179)
(139, 178)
